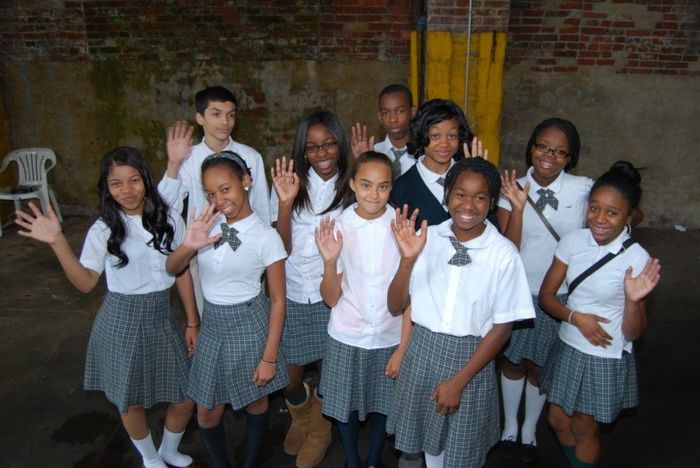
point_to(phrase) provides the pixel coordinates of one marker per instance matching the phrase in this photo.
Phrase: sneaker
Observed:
(528, 453)
(508, 448)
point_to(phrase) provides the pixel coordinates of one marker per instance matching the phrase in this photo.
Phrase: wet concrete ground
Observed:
(50, 421)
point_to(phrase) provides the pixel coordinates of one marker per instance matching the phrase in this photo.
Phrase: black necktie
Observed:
(441, 181)
(396, 165)
(546, 198)
(460, 258)
(228, 235)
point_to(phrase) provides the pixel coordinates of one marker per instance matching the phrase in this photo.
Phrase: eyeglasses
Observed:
(557, 153)
(327, 146)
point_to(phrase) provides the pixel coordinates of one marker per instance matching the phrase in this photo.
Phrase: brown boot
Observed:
(314, 447)
(296, 435)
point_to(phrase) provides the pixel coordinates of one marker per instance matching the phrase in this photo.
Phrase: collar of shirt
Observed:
(555, 186)
(429, 175)
(316, 181)
(352, 219)
(486, 238)
(242, 225)
(613, 246)
(211, 151)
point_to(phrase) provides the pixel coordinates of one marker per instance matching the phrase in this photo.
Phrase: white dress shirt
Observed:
(407, 160)
(537, 244)
(232, 277)
(304, 266)
(603, 292)
(368, 261)
(145, 272)
(189, 181)
(430, 179)
(468, 300)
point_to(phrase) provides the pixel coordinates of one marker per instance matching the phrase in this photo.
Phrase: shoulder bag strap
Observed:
(597, 265)
(542, 217)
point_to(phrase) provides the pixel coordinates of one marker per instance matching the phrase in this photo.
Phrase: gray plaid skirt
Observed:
(582, 383)
(229, 348)
(467, 435)
(533, 339)
(305, 332)
(353, 380)
(136, 353)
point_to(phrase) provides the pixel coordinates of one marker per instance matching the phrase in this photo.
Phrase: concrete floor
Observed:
(50, 421)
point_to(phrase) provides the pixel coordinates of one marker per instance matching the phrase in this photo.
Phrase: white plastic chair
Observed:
(32, 164)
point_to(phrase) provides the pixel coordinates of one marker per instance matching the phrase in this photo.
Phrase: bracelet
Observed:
(268, 362)
(193, 325)
(570, 315)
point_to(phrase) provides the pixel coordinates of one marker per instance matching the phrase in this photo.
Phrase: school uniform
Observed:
(578, 376)
(362, 332)
(533, 340)
(306, 324)
(453, 308)
(419, 188)
(136, 353)
(406, 159)
(235, 322)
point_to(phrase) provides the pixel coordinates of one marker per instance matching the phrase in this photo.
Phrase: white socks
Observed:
(168, 449)
(145, 446)
(534, 402)
(434, 461)
(512, 391)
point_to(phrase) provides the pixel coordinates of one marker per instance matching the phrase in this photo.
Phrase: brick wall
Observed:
(205, 30)
(631, 37)
(453, 15)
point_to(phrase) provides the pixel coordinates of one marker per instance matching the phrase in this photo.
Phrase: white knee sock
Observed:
(148, 452)
(533, 408)
(512, 391)
(168, 449)
(434, 461)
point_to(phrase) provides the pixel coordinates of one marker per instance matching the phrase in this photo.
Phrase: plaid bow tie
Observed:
(396, 165)
(546, 198)
(460, 258)
(228, 235)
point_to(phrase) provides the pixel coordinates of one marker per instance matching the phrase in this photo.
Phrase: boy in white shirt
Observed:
(216, 109)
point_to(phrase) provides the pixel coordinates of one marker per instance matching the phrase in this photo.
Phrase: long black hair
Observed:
(302, 164)
(155, 210)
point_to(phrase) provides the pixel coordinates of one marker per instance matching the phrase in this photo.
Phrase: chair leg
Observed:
(54, 202)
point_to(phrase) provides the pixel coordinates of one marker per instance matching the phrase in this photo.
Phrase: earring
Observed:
(246, 188)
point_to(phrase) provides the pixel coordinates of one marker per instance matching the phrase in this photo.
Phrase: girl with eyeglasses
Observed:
(534, 211)
(307, 187)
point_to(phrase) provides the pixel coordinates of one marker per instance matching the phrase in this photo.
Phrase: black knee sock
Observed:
(349, 433)
(255, 436)
(377, 435)
(215, 440)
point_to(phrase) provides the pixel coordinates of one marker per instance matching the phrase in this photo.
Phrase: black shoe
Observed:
(528, 453)
(508, 448)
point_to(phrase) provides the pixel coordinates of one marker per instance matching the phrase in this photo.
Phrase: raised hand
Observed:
(197, 234)
(359, 141)
(477, 149)
(329, 242)
(179, 143)
(285, 180)
(510, 190)
(404, 229)
(589, 325)
(637, 288)
(40, 227)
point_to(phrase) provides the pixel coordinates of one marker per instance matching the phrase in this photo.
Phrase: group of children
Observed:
(403, 268)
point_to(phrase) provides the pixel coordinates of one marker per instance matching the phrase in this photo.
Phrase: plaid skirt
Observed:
(353, 380)
(533, 339)
(467, 435)
(305, 332)
(136, 353)
(582, 383)
(230, 345)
